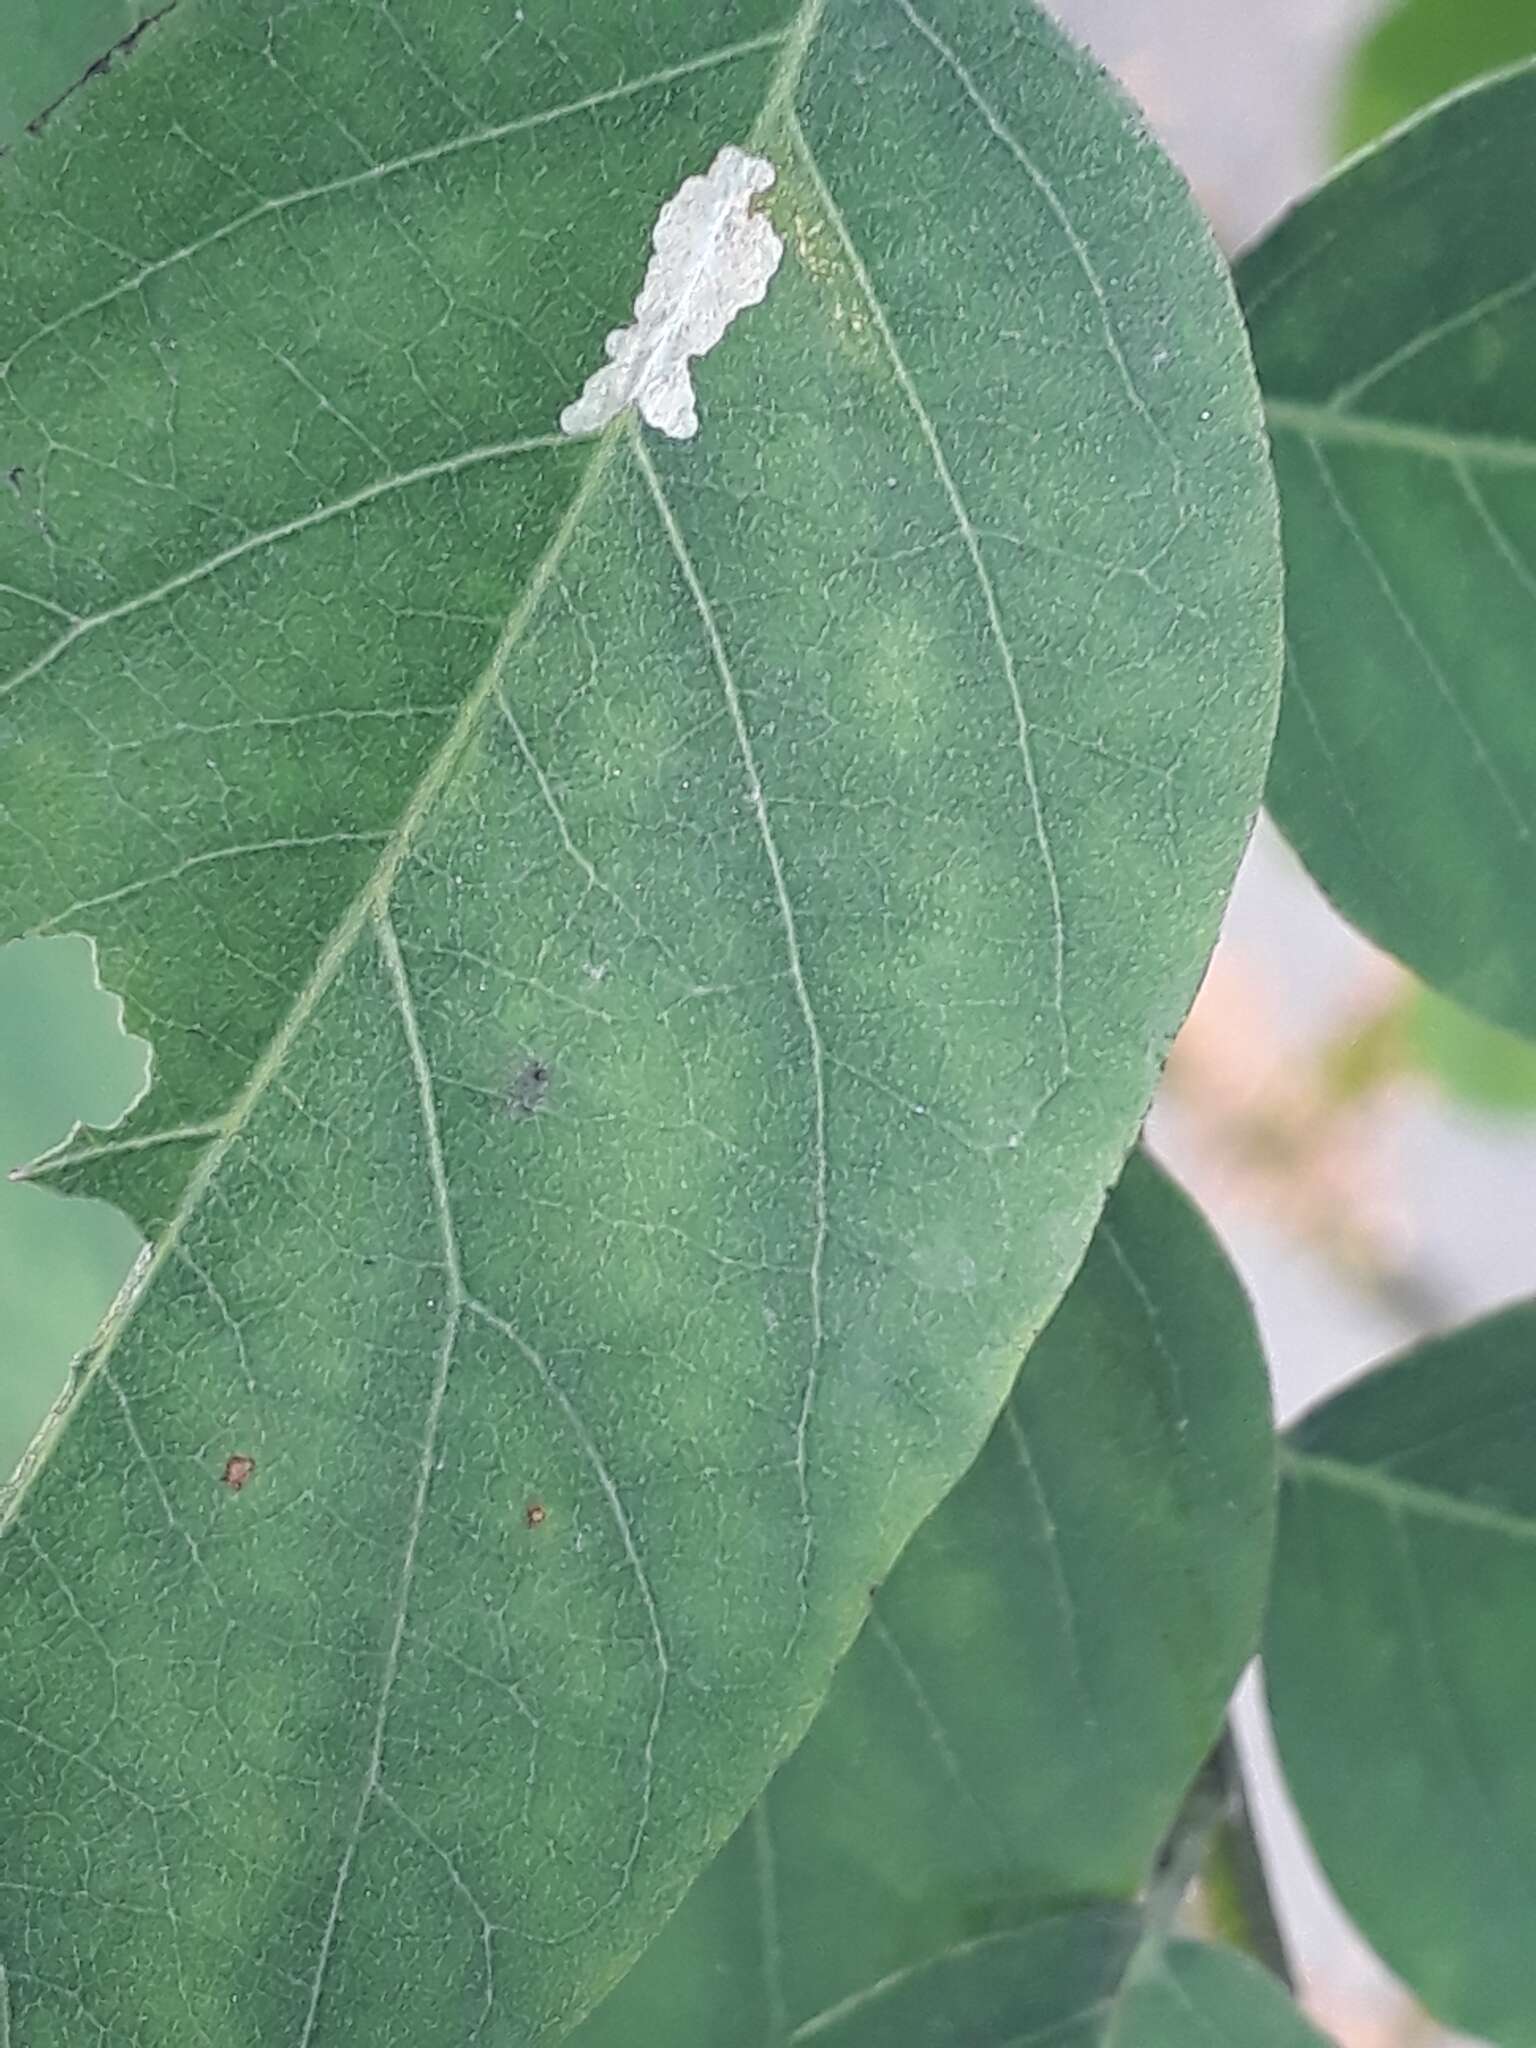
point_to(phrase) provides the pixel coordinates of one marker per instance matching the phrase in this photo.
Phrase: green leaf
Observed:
(1191, 1996)
(1057, 1983)
(653, 952)
(49, 47)
(1474, 1062)
(1394, 324)
(60, 1262)
(1041, 1675)
(1424, 48)
(1079, 1981)
(1401, 1664)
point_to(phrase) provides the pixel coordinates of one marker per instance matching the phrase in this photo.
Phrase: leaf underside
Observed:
(652, 954)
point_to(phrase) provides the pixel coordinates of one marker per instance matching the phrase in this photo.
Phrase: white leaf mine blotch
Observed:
(711, 256)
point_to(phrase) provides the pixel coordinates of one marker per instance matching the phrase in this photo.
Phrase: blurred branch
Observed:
(1213, 1843)
(1233, 1879)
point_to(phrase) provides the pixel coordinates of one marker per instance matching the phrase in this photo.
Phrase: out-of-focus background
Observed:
(1367, 1152)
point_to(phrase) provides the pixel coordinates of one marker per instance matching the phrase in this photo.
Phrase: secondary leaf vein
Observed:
(818, 1059)
(394, 966)
(983, 575)
(453, 145)
(272, 536)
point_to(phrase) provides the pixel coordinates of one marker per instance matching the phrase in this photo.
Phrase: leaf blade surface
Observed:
(1039, 1678)
(1398, 1663)
(1392, 320)
(607, 1018)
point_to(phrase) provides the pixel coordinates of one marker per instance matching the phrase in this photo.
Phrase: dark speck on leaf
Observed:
(237, 1470)
(536, 1514)
(530, 1086)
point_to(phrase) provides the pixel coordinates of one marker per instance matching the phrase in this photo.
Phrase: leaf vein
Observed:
(329, 962)
(212, 857)
(1061, 1588)
(394, 966)
(1430, 337)
(1494, 527)
(1081, 254)
(765, 1866)
(1415, 638)
(374, 172)
(984, 582)
(1313, 422)
(273, 536)
(1391, 1492)
(818, 1058)
(619, 1514)
(70, 1154)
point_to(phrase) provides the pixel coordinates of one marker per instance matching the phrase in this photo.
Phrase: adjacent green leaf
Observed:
(1474, 1062)
(1080, 1981)
(1424, 48)
(48, 47)
(1191, 1996)
(1041, 1675)
(653, 952)
(1401, 1664)
(1394, 321)
(60, 1262)
(1058, 1982)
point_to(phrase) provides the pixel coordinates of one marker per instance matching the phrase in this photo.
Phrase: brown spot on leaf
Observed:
(237, 1470)
(536, 1514)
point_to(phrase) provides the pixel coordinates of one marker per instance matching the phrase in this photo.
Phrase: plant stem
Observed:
(1233, 1879)
(1213, 1841)
(1184, 1849)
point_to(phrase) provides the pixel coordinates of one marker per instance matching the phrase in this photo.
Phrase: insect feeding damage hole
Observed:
(536, 1514)
(237, 1470)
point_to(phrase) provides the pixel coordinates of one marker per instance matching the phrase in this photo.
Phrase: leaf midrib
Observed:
(1400, 1496)
(1328, 420)
(796, 42)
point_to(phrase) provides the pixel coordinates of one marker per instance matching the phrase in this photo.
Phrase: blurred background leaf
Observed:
(1394, 328)
(1424, 48)
(1041, 1675)
(63, 1056)
(1079, 1981)
(1400, 1662)
(1191, 1996)
(1416, 1032)
(1475, 1063)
